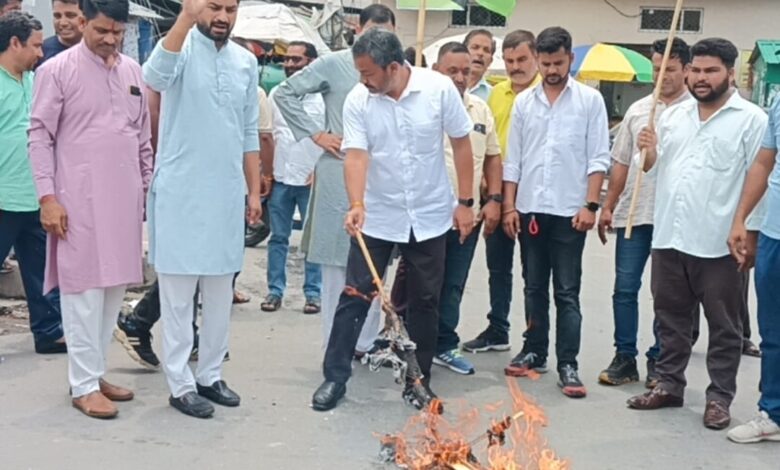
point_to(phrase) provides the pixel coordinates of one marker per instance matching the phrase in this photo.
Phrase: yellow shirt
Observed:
(500, 101)
(484, 142)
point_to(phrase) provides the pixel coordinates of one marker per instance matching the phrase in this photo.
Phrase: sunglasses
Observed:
(294, 59)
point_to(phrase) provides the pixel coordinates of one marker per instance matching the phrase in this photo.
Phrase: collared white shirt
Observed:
(701, 169)
(407, 188)
(553, 149)
(484, 142)
(294, 160)
(481, 89)
(625, 151)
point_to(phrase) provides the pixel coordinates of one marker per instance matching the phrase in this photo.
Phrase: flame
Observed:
(515, 442)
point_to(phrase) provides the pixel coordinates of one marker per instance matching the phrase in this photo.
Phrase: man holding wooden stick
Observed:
(631, 254)
(701, 154)
(393, 127)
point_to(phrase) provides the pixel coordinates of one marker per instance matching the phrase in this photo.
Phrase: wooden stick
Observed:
(418, 54)
(651, 124)
(371, 267)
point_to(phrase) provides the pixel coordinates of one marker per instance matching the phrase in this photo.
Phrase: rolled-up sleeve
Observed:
(162, 68)
(265, 120)
(598, 136)
(623, 147)
(514, 146)
(251, 112)
(355, 136)
(47, 105)
(289, 97)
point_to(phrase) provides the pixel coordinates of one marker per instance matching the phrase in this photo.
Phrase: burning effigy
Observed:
(429, 441)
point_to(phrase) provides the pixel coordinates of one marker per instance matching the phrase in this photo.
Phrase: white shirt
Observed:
(407, 188)
(294, 160)
(552, 150)
(701, 169)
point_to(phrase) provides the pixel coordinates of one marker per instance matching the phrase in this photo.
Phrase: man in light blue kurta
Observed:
(208, 144)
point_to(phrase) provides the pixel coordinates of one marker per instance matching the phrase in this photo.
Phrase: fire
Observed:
(430, 442)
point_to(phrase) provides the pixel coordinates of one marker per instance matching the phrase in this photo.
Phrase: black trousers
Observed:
(679, 283)
(424, 265)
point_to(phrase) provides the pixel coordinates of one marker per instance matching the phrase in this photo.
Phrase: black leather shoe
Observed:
(328, 395)
(53, 347)
(192, 404)
(220, 394)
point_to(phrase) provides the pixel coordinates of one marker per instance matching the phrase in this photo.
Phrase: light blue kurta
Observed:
(208, 121)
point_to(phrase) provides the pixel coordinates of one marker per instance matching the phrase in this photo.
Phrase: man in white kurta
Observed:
(208, 135)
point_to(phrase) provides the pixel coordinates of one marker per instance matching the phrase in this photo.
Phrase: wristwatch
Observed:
(592, 206)
(496, 197)
(466, 202)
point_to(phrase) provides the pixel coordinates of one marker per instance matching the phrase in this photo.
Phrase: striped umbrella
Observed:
(611, 63)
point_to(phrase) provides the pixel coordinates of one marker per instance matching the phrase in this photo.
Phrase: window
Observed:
(475, 15)
(660, 19)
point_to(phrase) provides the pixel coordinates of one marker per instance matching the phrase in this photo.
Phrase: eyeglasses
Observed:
(294, 59)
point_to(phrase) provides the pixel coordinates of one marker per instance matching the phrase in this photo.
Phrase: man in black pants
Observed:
(384, 167)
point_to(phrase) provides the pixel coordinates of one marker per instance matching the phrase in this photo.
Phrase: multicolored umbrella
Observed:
(611, 63)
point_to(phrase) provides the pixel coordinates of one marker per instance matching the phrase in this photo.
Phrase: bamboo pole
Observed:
(418, 54)
(651, 123)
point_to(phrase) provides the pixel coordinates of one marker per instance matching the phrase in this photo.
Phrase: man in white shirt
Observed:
(701, 154)
(631, 254)
(292, 169)
(394, 121)
(558, 152)
(481, 46)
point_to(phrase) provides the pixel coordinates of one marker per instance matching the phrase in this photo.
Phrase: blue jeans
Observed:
(768, 293)
(500, 253)
(556, 249)
(630, 260)
(23, 231)
(281, 205)
(456, 271)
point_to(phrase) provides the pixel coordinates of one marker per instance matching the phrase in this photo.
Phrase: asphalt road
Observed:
(275, 366)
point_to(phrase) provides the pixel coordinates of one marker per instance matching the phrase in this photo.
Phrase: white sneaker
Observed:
(760, 428)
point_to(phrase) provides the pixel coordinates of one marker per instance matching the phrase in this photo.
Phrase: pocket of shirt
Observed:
(426, 136)
(721, 154)
(575, 127)
(134, 110)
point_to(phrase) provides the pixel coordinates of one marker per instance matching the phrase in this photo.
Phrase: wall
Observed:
(589, 21)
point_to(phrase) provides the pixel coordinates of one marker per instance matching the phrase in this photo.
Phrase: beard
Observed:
(289, 71)
(714, 94)
(208, 30)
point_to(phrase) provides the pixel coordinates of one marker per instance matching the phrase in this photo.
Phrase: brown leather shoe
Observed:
(95, 405)
(716, 415)
(655, 399)
(115, 392)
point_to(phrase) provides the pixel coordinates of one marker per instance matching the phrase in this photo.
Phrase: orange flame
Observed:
(430, 442)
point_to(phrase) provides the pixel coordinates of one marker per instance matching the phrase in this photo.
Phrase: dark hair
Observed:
(723, 49)
(378, 14)
(117, 10)
(480, 32)
(411, 56)
(551, 40)
(383, 47)
(69, 2)
(19, 25)
(680, 49)
(311, 51)
(518, 38)
(453, 47)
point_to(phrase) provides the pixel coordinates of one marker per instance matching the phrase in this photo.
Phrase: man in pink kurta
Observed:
(92, 160)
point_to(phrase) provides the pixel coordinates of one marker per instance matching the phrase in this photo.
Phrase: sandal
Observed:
(313, 305)
(239, 297)
(271, 303)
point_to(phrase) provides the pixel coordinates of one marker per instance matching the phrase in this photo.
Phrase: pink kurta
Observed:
(90, 148)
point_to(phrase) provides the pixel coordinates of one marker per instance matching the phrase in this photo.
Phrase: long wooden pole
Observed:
(420, 33)
(651, 124)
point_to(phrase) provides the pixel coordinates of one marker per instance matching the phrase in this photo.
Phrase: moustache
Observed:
(220, 25)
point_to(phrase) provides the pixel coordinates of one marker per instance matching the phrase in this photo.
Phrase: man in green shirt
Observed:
(20, 49)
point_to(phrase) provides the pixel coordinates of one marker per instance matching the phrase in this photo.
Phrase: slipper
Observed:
(313, 305)
(240, 298)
